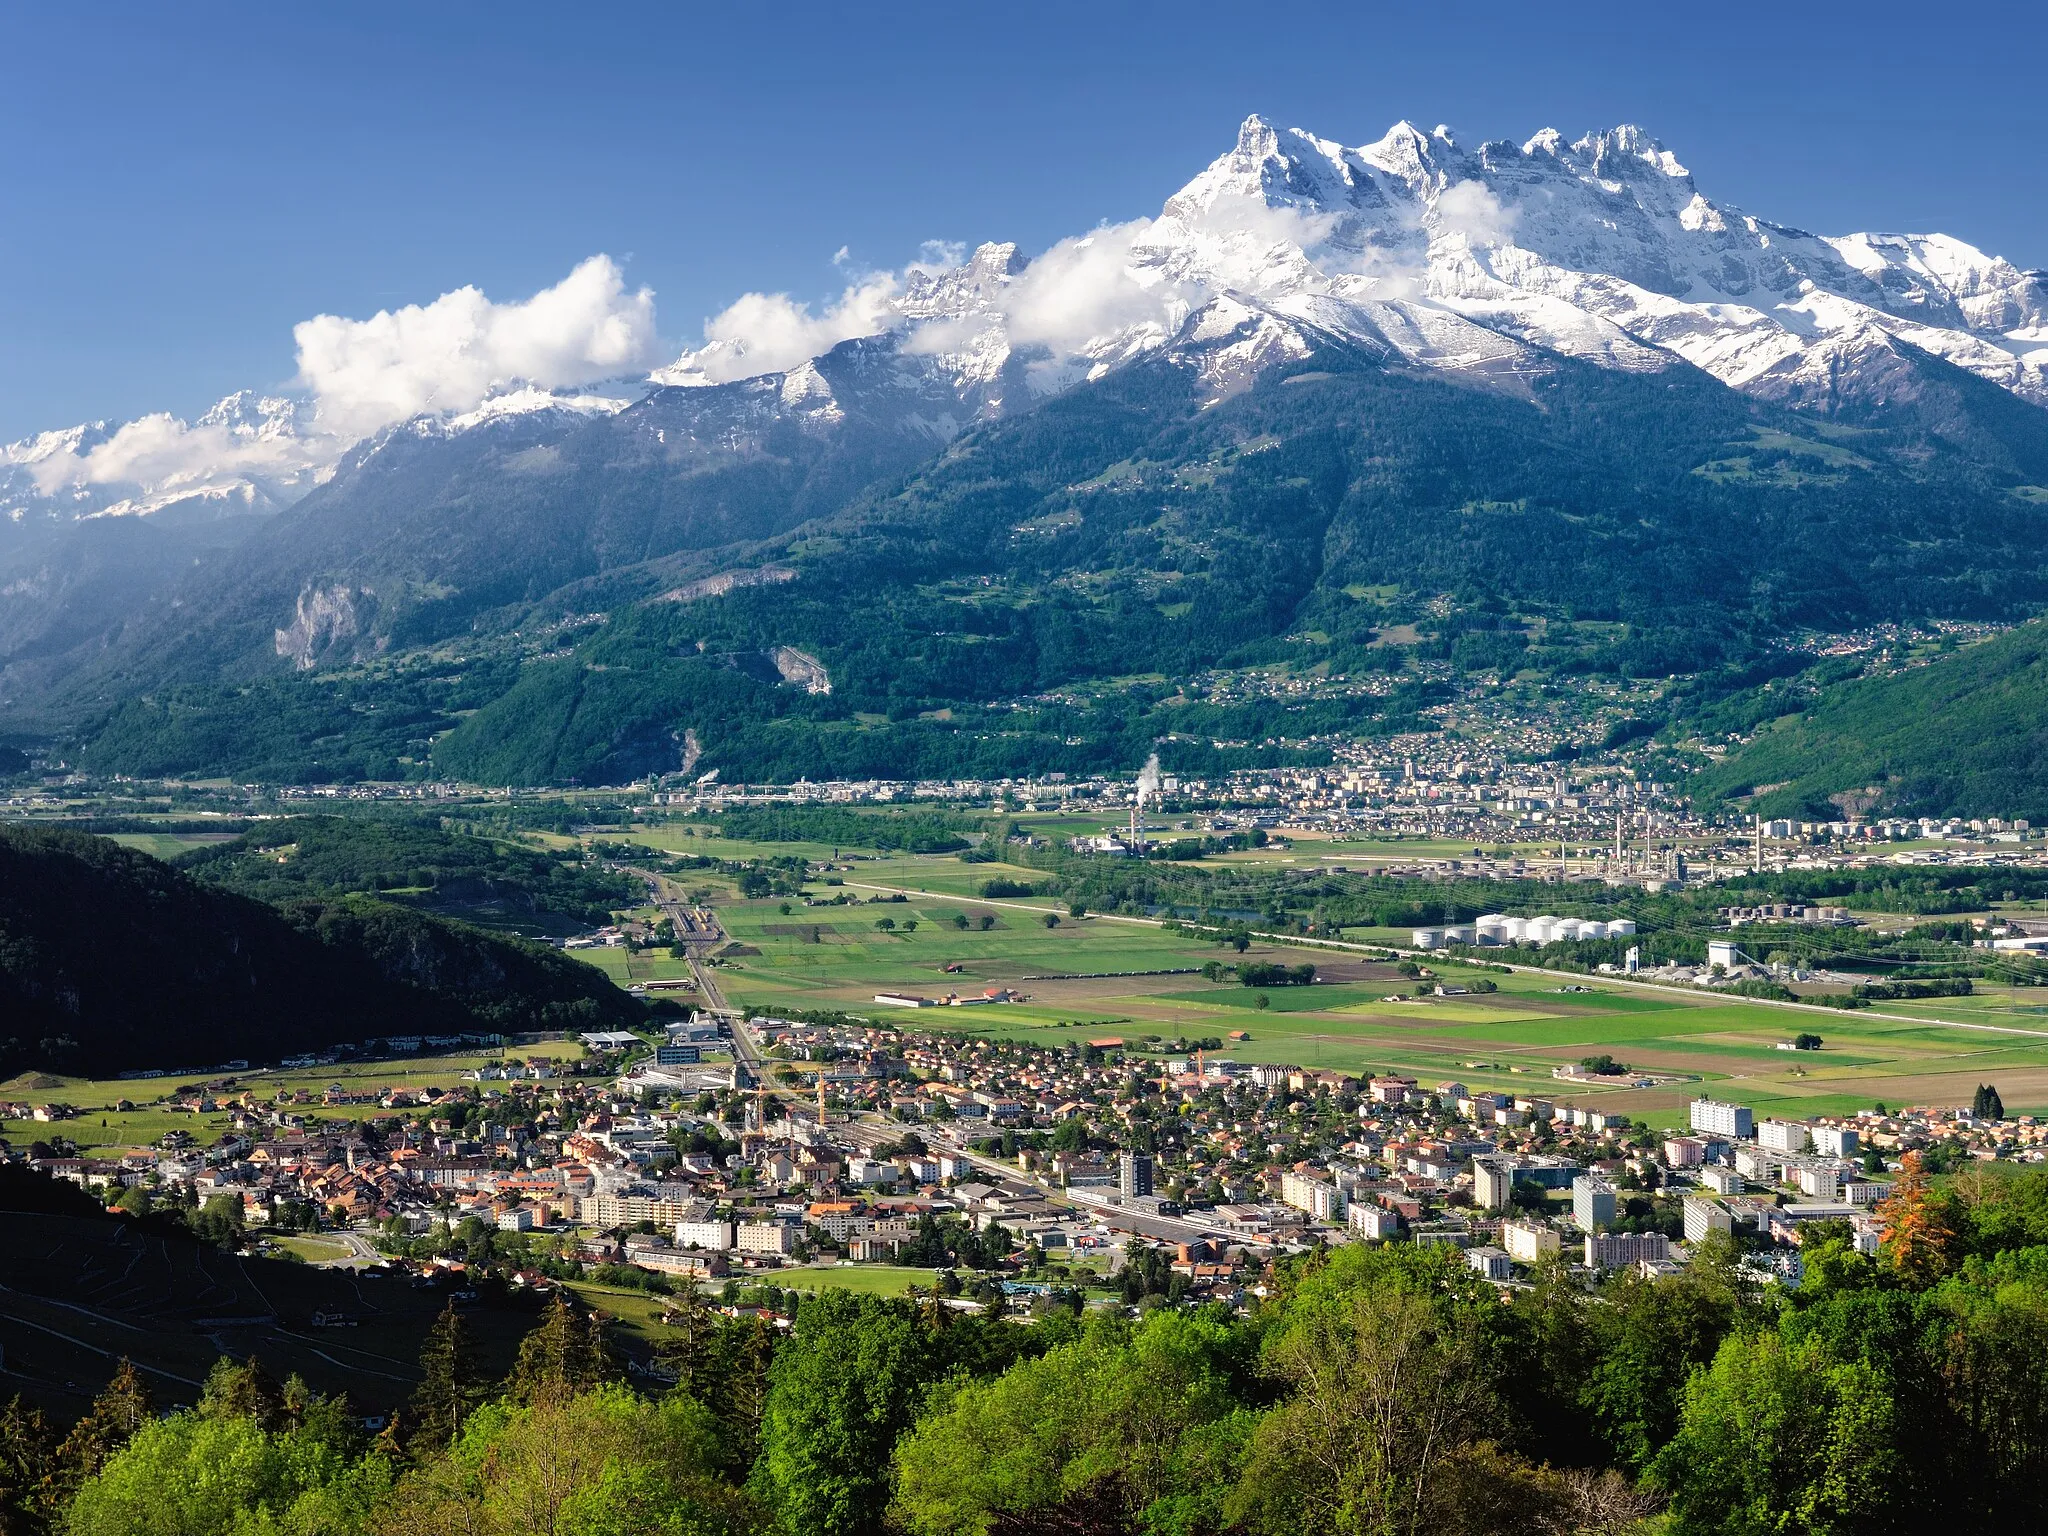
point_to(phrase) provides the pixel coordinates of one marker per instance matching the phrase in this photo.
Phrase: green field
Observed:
(868, 1279)
(1510, 1040)
(314, 1250)
(168, 845)
(103, 1131)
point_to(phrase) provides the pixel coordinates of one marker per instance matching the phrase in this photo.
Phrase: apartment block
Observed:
(1592, 1203)
(1784, 1135)
(1704, 1216)
(1718, 1119)
(1617, 1250)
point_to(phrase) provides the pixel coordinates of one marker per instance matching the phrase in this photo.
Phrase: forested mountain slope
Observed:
(1136, 525)
(111, 960)
(1964, 735)
(414, 861)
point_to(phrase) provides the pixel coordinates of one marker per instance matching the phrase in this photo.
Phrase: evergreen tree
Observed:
(1987, 1105)
(564, 1355)
(449, 1387)
(28, 1492)
(242, 1390)
(746, 1389)
(116, 1414)
(689, 1350)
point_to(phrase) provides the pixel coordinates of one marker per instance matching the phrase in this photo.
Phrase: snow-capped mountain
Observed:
(1476, 260)
(1486, 262)
(248, 454)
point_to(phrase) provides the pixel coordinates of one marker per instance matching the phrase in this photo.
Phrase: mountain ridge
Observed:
(1856, 431)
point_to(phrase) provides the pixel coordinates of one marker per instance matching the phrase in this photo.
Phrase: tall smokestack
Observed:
(1148, 788)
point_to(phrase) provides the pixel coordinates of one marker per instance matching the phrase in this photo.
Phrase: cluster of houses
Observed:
(1071, 1150)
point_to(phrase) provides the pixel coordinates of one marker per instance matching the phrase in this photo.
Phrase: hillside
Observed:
(85, 1288)
(1615, 421)
(1136, 526)
(414, 862)
(1964, 735)
(110, 960)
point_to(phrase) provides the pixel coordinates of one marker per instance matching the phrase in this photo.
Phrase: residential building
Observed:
(1373, 1222)
(1731, 1120)
(1489, 1261)
(1722, 1180)
(1836, 1141)
(1492, 1184)
(1819, 1181)
(704, 1233)
(1529, 1242)
(767, 1237)
(1134, 1175)
(1317, 1196)
(1592, 1203)
(1704, 1216)
(1617, 1250)
(1684, 1152)
(1783, 1135)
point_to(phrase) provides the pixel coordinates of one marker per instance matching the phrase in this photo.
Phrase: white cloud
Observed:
(1469, 208)
(450, 354)
(768, 332)
(1090, 286)
(164, 454)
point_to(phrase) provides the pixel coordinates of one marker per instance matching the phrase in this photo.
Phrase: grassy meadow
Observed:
(1509, 1040)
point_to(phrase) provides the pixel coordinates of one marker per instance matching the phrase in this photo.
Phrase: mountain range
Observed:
(1549, 380)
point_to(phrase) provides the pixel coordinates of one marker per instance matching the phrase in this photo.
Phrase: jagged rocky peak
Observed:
(972, 287)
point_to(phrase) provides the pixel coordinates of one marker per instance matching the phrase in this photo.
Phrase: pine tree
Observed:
(244, 1390)
(448, 1387)
(390, 1441)
(689, 1350)
(28, 1462)
(116, 1414)
(563, 1356)
(1987, 1105)
(295, 1401)
(746, 1390)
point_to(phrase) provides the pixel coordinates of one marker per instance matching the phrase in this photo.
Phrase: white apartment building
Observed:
(1731, 1120)
(1489, 1261)
(1492, 1184)
(1529, 1242)
(1318, 1197)
(767, 1237)
(1836, 1140)
(715, 1235)
(1784, 1135)
(1722, 1180)
(1704, 1216)
(1617, 1250)
(1373, 1222)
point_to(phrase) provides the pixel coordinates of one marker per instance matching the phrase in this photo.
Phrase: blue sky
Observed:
(184, 183)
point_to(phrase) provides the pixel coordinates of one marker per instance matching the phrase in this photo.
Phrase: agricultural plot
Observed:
(102, 1130)
(1079, 983)
(168, 845)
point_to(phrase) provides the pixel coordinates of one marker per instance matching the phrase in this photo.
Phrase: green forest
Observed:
(1964, 735)
(1382, 1388)
(414, 861)
(111, 960)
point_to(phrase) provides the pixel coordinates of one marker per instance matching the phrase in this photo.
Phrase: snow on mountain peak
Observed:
(1488, 260)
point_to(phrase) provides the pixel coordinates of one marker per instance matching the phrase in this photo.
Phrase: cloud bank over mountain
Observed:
(450, 355)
